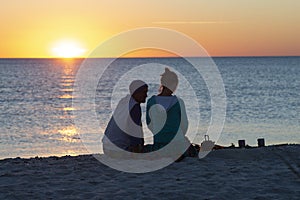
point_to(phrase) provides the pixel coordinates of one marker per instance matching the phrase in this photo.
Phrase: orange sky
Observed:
(32, 28)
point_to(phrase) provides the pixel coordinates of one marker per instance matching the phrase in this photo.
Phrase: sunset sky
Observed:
(70, 28)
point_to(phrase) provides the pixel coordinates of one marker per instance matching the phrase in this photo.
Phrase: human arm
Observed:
(184, 120)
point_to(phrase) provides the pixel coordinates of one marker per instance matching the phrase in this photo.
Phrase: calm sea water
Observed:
(37, 117)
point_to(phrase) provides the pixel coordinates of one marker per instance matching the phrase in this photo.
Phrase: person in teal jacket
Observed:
(166, 115)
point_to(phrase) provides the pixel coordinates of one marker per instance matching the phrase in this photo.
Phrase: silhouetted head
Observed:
(169, 80)
(138, 90)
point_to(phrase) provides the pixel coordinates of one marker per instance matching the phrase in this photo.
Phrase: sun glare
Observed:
(68, 49)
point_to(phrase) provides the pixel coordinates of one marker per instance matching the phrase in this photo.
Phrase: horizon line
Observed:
(151, 57)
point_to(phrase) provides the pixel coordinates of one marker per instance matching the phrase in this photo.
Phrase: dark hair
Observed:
(136, 86)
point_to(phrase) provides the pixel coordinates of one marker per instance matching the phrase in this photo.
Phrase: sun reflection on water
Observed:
(66, 96)
(66, 84)
(68, 81)
(64, 134)
(66, 89)
(69, 134)
(69, 109)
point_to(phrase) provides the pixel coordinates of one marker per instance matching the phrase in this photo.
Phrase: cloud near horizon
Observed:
(194, 22)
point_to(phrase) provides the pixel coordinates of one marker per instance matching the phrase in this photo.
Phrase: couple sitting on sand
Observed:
(166, 118)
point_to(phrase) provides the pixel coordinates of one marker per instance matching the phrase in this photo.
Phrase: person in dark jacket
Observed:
(124, 130)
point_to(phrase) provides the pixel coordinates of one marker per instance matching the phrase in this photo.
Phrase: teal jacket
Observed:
(166, 117)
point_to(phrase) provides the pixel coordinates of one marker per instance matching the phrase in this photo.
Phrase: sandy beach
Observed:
(82, 81)
(257, 173)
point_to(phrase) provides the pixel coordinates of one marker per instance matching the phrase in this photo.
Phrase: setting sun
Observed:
(68, 49)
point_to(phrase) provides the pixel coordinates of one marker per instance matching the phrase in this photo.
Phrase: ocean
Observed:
(37, 115)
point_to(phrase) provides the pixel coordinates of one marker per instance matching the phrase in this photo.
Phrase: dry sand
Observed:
(259, 173)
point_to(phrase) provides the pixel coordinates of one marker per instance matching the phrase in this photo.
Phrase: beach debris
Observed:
(207, 144)
(260, 142)
(242, 143)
